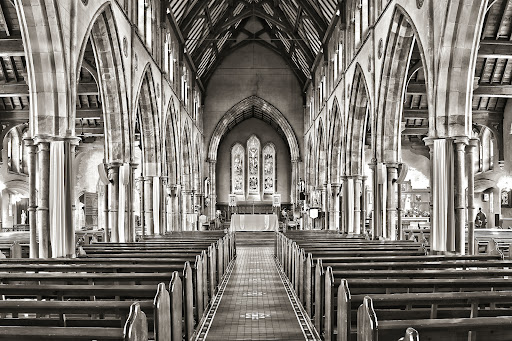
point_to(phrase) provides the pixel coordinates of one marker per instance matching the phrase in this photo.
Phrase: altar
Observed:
(254, 222)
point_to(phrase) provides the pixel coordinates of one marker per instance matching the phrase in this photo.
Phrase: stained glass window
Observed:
(237, 168)
(269, 166)
(253, 152)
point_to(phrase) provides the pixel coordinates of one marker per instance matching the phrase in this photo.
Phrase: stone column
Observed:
(334, 210)
(470, 155)
(113, 201)
(148, 206)
(399, 211)
(186, 207)
(429, 142)
(130, 196)
(212, 164)
(391, 206)
(364, 207)
(177, 206)
(163, 204)
(43, 217)
(357, 204)
(140, 181)
(460, 194)
(376, 217)
(32, 196)
(70, 175)
(106, 237)
(325, 207)
(294, 197)
(343, 221)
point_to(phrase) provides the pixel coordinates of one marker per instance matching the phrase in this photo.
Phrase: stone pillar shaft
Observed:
(212, 167)
(43, 218)
(470, 154)
(391, 205)
(357, 204)
(70, 197)
(363, 204)
(113, 202)
(460, 196)
(32, 197)
(148, 206)
(334, 209)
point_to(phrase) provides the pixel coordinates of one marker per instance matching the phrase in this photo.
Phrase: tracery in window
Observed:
(269, 166)
(253, 151)
(237, 168)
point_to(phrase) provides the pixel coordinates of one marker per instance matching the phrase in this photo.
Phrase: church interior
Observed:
(255, 170)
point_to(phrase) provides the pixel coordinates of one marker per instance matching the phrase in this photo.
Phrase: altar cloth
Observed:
(254, 222)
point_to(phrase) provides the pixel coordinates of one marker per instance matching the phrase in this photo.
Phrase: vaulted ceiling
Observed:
(214, 28)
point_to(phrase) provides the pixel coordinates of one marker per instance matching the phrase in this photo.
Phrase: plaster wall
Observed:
(253, 70)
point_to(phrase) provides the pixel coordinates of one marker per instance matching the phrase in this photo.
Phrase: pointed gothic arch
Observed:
(236, 114)
(111, 83)
(357, 122)
(335, 143)
(147, 110)
(401, 37)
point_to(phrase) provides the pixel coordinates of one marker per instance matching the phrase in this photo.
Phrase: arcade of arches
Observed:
(141, 117)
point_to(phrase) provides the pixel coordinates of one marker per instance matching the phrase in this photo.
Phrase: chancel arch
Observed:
(264, 114)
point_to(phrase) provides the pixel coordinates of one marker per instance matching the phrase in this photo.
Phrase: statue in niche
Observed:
(23, 217)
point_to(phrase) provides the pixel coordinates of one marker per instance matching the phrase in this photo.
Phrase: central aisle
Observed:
(255, 304)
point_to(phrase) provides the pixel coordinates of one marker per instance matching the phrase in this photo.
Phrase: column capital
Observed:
(335, 184)
(113, 165)
(43, 146)
(429, 140)
(133, 164)
(28, 141)
(213, 161)
(461, 140)
(296, 160)
(473, 142)
(147, 178)
(391, 165)
(74, 140)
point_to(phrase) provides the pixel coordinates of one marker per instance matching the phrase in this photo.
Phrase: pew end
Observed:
(366, 321)
(162, 320)
(411, 334)
(176, 296)
(136, 327)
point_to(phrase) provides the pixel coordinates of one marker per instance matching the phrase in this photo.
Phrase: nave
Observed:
(290, 285)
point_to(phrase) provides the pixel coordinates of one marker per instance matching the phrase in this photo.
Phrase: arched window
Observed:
(167, 53)
(253, 163)
(184, 86)
(269, 168)
(169, 57)
(145, 21)
(237, 169)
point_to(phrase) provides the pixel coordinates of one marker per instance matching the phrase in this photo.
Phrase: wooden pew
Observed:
(135, 329)
(454, 329)
(70, 313)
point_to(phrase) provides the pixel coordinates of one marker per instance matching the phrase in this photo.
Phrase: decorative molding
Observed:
(419, 3)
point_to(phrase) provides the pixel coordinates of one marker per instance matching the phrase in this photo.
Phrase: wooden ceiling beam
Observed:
(11, 47)
(495, 49)
(191, 16)
(21, 89)
(317, 18)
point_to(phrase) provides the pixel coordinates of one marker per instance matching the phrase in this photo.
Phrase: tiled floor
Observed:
(255, 305)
